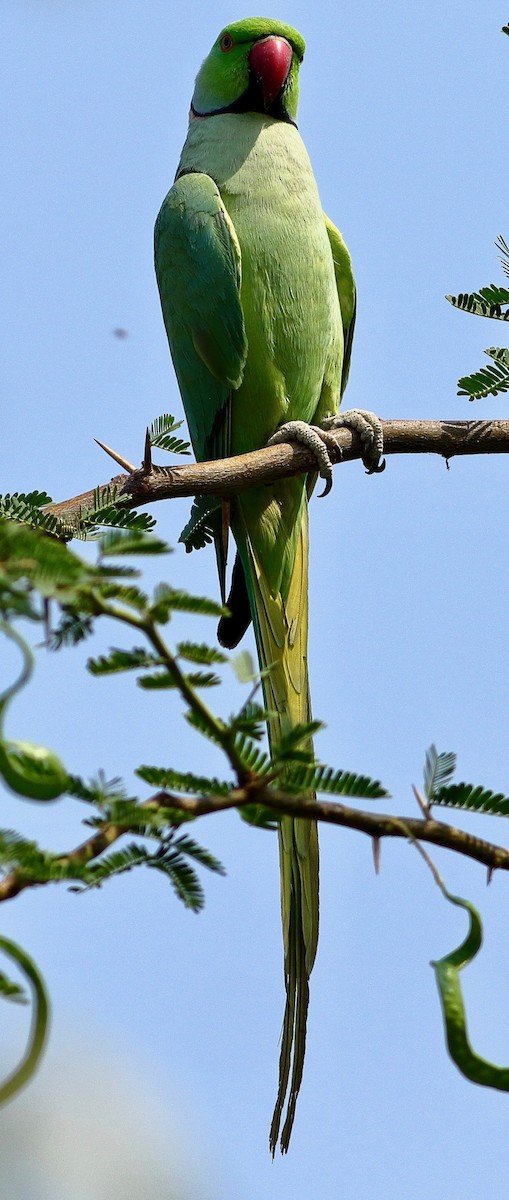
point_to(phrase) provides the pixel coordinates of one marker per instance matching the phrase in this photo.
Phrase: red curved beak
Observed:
(271, 59)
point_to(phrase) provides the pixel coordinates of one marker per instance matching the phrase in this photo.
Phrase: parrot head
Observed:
(253, 67)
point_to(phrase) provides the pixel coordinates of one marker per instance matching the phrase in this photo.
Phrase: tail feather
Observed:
(293, 1040)
(287, 1038)
(231, 629)
(281, 634)
(299, 1041)
(306, 848)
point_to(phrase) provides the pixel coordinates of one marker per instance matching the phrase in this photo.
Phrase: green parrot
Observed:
(258, 300)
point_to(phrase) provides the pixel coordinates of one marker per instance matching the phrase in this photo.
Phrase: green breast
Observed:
(289, 297)
(290, 304)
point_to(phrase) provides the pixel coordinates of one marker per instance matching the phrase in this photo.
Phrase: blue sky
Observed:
(402, 113)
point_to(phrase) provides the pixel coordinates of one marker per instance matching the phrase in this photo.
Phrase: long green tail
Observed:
(281, 627)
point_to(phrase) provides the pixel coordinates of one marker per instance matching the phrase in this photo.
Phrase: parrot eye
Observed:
(226, 43)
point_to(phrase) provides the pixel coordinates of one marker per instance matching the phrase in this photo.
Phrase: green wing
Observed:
(345, 284)
(198, 268)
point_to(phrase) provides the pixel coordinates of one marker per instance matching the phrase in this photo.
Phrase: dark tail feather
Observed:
(299, 1048)
(231, 629)
(294, 1031)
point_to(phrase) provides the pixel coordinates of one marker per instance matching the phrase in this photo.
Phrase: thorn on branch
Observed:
(228, 477)
(425, 808)
(147, 455)
(376, 847)
(118, 458)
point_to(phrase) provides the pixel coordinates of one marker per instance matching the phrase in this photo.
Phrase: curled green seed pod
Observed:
(28, 770)
(447, 974)
(40, 1012)
(32, 771)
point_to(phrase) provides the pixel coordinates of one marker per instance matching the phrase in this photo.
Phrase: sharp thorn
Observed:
(425, 809)
(147, 455)
(118, 458)
(376, 847)
(489, 875)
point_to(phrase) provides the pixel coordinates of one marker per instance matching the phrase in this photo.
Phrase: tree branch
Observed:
(228, 476)
(375, 825)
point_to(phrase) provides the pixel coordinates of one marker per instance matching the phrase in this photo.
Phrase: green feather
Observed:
(198, 266)
(258, 300)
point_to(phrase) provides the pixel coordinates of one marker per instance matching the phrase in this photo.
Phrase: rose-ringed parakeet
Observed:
(258, 300)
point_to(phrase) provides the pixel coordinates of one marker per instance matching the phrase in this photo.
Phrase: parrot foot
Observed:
(315, 439)
(369, 428)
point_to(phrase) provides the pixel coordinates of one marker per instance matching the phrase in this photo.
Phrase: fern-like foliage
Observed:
(183, 781)
(36, 569)
(501, 245)
(198, 722)
(21, 853)
(33, 864)
(167, 600)
(127, 595)
(130, 539)
(171, 859)
(161, 434)
(122, 660)
(438, 770)
(200, 653)
(471, 798)
(16, 600)
(292, 747)
(487, 381)
(44, 562)
(253, 759)
(108, 511)
(487, 302)
(34, 501)
(99, 791)
(204, 523)
(260, 817)
(188, 846)
(317, 778)
(165, 679)
(251, 719)
(146, 820)
(71, 629)
(27, 859)
(29, 509)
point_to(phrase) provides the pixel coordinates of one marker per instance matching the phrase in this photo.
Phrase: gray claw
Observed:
(369, 428)
(314, 439)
